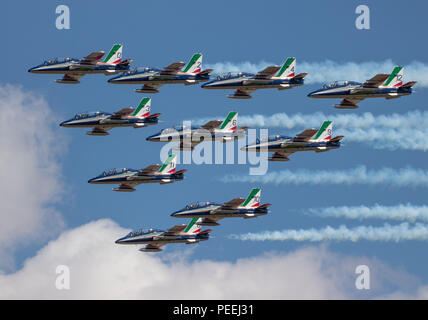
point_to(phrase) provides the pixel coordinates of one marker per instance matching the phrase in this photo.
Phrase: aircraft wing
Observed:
(173, 68)
(149, 169)
(305, 135)
(187, 146)
(175, 230)
(153, 247)
(267, 72)
(230, 205)
(71, 77)
(242, 94)
(122, 113)
(212, 124)
(376, 81)
(349, 103)
(280, 156)
(92, 58)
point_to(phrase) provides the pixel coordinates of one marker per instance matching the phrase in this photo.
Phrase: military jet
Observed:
(155, 238)
(129, 178)
(190, 136)
(212, 212)
(281, 78)
(152, 79)
(388, 86)
(101, 121)
(308, 140)
(73, 69)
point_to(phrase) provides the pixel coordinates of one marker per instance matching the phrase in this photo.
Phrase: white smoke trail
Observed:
(328, 71)
(385, 233)
(400, 212)
(406, 131)
(404, 177)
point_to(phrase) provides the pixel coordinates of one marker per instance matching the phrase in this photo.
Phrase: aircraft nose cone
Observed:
(119, 241)
(244, 148)
(152, 138)
(91, 180)
(31, 69)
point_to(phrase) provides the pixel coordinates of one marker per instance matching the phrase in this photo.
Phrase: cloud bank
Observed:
(100, 269)
(30, 173)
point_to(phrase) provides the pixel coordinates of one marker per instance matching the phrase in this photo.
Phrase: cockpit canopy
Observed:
(196, 205)
(336, 84)
(272, 138)
(57, 60)
(90, 114)
(114, 171)
(139, 232)
(230, 75)
(177, 129)
(140, 70)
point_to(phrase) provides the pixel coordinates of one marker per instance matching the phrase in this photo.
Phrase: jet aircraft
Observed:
(388, 86)
(155, 238)
(308, 140)
(212, 212)
(101, 121)
(129, 178)
(152, 79)
(73, 69)
(215, 130)
(281, 78)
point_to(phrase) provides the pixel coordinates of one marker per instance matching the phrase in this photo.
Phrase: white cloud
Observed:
(100, 269)
(29, 171)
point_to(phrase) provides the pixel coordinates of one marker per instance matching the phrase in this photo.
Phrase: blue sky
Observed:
(156, 33)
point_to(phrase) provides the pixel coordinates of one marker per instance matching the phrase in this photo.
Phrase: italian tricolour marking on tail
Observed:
(253, 200)
(230, 123)
(115, 55)
(395, 79)
(169, 165)
(143, 109)
(193, 226)
(288, 69)
(195, 64)
(324, 133)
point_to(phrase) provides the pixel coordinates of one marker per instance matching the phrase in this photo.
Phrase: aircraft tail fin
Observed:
(143, 109)
(253, 199)
(115, 55)
(324, 133)
(195, 64)
(193, 227)
(169, 165)
(288, 69)
(395, 79)
(230, 123)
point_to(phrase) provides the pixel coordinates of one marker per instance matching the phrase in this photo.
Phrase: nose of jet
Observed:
(63, 124)
(245, 148)
(92, 180)
(119, 241)
(32, 69)
(154, 137)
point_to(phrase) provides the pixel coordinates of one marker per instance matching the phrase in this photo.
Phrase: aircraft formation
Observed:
(388, 86)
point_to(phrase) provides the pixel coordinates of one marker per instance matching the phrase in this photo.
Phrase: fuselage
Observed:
(352, 89)
(248, 81)
(125, 175)
(208, 210)
(154, 76)
(286, 144)
(70, 65)
(156, 237)
(195, 134)
(99, 118)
